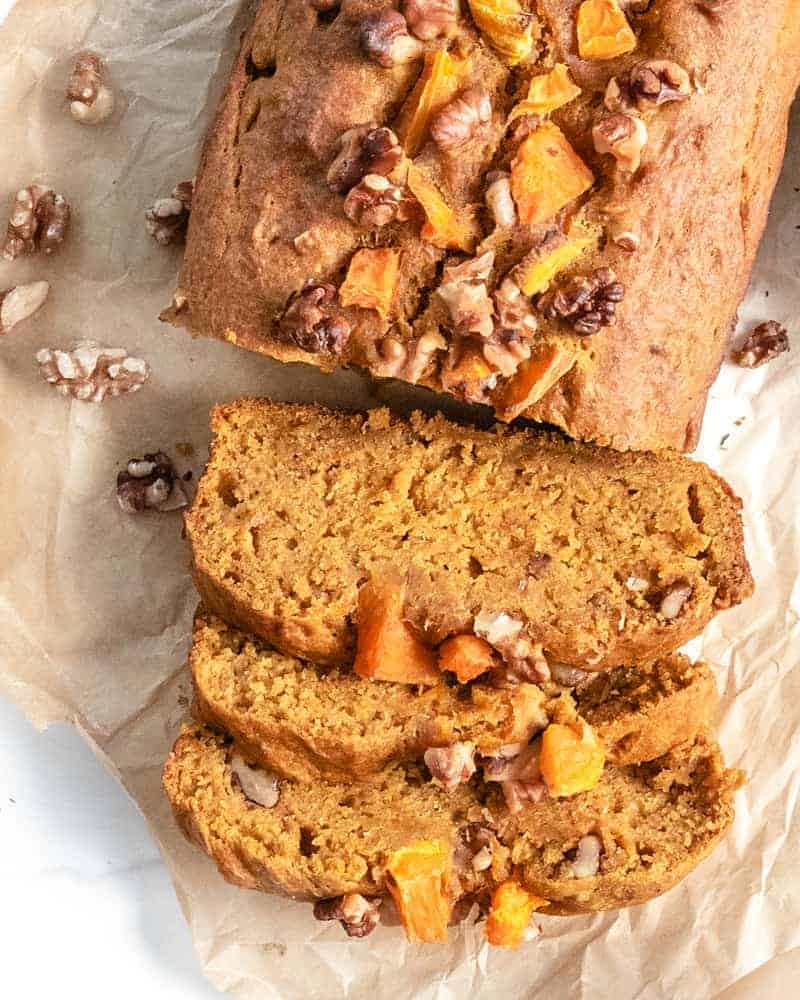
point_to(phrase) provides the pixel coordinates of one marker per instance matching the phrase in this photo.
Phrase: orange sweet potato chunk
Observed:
(371, 280)
(441, 78)
(467, 656)
(442, 228)
(506, 26)
(603, 30)
(387, 649)
(510, 913)
(572, 758)
(546, 93)
(418, 883)
(547, 174)
(533, 379)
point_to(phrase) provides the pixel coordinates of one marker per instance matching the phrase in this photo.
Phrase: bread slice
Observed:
(655, 821)
(299, 506)
(308, 723)
(265, 221)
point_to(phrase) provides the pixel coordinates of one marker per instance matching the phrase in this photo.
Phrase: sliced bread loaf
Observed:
(649, 825)
(305, 722)
(601, 559)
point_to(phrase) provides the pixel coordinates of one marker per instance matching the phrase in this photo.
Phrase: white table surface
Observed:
(76, 859)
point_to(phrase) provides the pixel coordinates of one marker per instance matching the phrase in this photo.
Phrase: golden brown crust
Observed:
(700, 199)
(656, 823)
(299, 505)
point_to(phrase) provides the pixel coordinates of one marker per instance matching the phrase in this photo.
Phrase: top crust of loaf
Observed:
(700, 199)
(300, 505)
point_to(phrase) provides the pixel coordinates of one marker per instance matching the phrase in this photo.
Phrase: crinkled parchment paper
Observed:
(95, 605)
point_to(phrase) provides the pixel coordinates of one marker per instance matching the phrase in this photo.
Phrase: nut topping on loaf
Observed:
(477, 158)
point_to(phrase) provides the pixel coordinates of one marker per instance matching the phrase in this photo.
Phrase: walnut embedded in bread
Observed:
(365, 149)
(622, 135)
(309, 322)
(451, 766)
(648, 84)
(374, 201)
(459, 120)
(499, 199)
(384, 38)
(38, 222)
(588, 302)
(91, 98)
(430, 19)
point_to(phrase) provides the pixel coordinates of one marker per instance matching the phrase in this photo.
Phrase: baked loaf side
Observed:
(655, 823)
(666, 151)
(602, 559)
(309, 724)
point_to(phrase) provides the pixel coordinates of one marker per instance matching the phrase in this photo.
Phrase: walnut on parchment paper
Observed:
(89, 371)
(764, 342)
(20, 302)
(38, 222)
(91, 100)
(359, 916)
(150, 483)
(168, 218)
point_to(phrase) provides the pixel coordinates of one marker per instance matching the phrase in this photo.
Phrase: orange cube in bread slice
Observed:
(418, 880)
(510, 913)
(572, 758)
(467, 656)
(547, 174)
(387, 648)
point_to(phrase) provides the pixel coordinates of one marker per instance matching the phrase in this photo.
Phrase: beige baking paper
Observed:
(95, 605)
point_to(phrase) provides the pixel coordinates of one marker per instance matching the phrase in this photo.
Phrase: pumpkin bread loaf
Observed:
(550, 208)
(305, 722)
(308, 525)
(634, 835)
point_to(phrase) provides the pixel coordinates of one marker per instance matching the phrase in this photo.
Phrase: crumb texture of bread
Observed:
(300, 506)
(656, 822)
(265, 220)
(309, 723)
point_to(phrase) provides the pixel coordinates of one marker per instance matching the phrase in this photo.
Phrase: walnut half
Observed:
(458, 121)
(365, 149)
(38, 222)
(168, 218)
(91, 99)
(89, 372)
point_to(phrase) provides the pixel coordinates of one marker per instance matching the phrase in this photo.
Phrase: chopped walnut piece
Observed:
(357, 915)
(430, 19)
(458, 121)
(168, 218)
(451, 766)
(588, 301)
(624, 136)
(384, 37)
(90, 372)
(21, 302)
(519, 776)
(499, 199)
(564, 674)
(38, 222)
(464, 292)
(365, 149)
(764, 342)
(646, 85)
(374, 201)
(91, 99)
(514, 326)
(674, 598)
(150, 483)
(637, 584)
(408, 361)
(257, 785)
(587, 857)
(309, 323)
